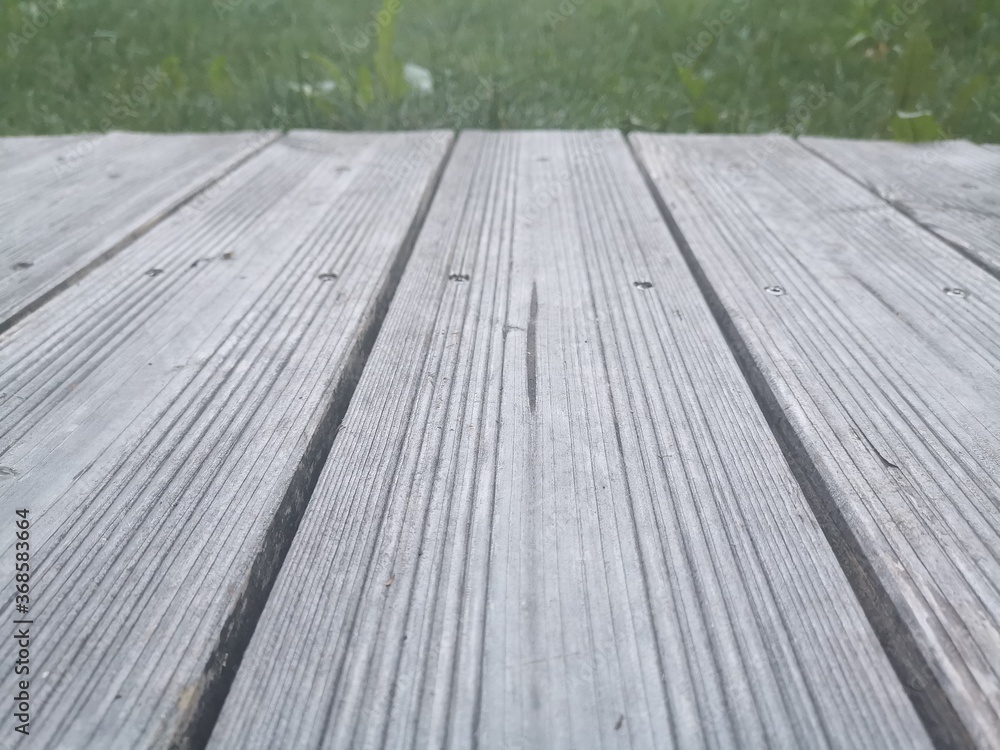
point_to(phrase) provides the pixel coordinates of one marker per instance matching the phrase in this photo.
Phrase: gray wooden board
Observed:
(554, 515)
(164, 422)
(66, 208)
(949, 187)
(883, 383)
(17, 150)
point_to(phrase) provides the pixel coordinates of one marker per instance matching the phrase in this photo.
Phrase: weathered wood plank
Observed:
(951, 188)
(554, 515)
(882, 383)
(71, 202)
(16, 150)
(165, 423)
(30, 160)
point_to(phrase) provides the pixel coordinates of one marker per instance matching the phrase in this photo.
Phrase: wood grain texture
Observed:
(951, 188)
(554, 516)
(18, 150)
(883, 384)
(71, 202)
(166, 420)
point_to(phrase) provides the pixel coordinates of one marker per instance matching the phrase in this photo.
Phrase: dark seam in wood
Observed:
(531, 351)
(885, 462)
(47, 296)
(908, 213)
(938, 715)
(237, 632)
(881, 299)
(986, 214)
(856, 429)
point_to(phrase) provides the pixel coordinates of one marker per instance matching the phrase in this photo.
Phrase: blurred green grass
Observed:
(853, 68)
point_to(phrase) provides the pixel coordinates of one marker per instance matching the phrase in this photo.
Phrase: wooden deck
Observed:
(502, 440)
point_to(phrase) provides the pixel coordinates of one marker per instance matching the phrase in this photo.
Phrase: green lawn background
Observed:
(913, 70)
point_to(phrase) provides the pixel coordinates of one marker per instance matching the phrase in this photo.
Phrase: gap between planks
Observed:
(805, 471)
(934, 708)
(200, 186)
(543, 525)
(191, 712)
(949, 726)
(965, 220)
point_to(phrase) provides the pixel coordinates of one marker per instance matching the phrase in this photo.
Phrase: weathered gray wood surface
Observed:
(166, 418)
(554, 515)
(951, 188)
(883, 384)
(70, 202)
(16, 150)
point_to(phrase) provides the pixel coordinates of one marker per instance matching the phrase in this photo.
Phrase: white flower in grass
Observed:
(419, 78)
